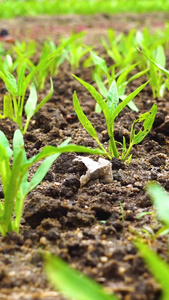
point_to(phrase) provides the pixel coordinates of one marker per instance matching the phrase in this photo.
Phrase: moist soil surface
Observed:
(92, 227)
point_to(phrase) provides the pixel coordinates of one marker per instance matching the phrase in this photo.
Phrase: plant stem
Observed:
(106, 153)
(127, 153)
(113, 147)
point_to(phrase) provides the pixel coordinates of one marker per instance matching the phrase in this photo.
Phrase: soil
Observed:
(92, 227)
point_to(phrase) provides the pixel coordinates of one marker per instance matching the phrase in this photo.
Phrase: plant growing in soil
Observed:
(72, 283)
(13, 102)
(156, 61)
(76, 50)
(111, 109)
(101, 70)
(14, 178)
(121, 48)
(52, 66)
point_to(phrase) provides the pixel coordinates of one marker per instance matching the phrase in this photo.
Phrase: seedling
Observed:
(156, 62)
(71, 283)
(13, 102)
(101, 70)
(111, 109)
(51, 68)
(121, 49)
(76, 51)
(14, 178)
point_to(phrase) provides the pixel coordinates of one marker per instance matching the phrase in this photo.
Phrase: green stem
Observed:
(113, 147)
(26, 126)
(15, 107)
(106, 153)
(127, 153)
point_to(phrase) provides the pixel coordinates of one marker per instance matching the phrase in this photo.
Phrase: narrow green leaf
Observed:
(18, 146)
(71, 282)
(160, 56)
(10, 83)
(123, 77)
(161, 201)
(96, 96)
(131, 104)
(99, 61)
(5, 171)
(46, 98)
(112, 97)
(4, 142)
(31, 102)
(162, 69)
(21, 78)
(158, 267)
(42, 170)
(137, 75)
(50, 150)
(148, 119)
(127, 100)
(100, 84)
(7, 106)
(82, 117)
(11, 192)
(40, 173)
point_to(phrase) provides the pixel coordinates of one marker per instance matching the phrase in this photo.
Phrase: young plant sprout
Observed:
(156, 61)
(13, 103)
(158, 67)
(121, 49)
(76, 50)
(111, 109)
(14, 178)
(101, 70)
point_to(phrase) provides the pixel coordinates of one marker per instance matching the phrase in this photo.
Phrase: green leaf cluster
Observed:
(13, 102)
(111, 109)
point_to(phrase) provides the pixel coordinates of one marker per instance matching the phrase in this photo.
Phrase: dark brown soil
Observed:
(86, 226)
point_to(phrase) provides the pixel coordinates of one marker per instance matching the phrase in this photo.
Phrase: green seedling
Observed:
(14, 178)
(71, 283)
(76, 51)
(157, 266)
(151, 41)
(13, 103)
(101, 70)
(58, 55)
(25, 49)
(23, 53)
(156, 61)
(111, 109)
(121, 49)
(52, 67)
